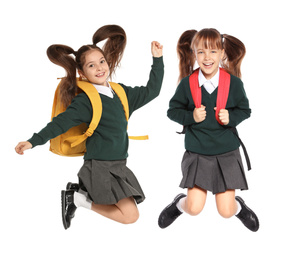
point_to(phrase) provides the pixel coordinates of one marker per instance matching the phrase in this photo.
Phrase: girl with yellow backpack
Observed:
(106, 185)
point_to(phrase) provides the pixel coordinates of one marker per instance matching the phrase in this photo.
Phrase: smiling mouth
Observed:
(100, 74)
(208, 65)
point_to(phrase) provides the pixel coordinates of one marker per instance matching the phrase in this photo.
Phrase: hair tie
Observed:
(222, 36)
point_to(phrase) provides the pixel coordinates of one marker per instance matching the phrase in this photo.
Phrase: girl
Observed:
(212, 160)
(106, 185)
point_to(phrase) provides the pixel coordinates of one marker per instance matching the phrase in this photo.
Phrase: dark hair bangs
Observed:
(211, 39)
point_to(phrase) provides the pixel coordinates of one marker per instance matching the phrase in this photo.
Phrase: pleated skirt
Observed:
(216, 173)
(107, 182)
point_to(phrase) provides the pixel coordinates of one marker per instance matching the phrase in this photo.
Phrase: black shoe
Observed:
(68, 207)
(72, 186)
(247, 216)
(170, 213)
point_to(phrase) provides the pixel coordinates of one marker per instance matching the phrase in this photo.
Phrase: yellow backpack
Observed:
(73, 142)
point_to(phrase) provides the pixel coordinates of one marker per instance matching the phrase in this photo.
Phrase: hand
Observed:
(199, 114)
(157, 49)
(223, 116)
(22, 146)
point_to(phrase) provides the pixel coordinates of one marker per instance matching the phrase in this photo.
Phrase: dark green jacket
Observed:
(209, 137)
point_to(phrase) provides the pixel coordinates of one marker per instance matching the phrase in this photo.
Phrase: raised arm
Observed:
(141, 95)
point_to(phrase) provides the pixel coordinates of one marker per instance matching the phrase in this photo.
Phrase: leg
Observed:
(194, 203)
(227, 207)
(125, 211)
(226, 203)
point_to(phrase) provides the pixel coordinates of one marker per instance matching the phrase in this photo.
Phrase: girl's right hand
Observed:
(22, 146)
(199, 114)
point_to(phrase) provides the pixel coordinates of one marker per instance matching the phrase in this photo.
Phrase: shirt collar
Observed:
(107, 91)
(214, 80)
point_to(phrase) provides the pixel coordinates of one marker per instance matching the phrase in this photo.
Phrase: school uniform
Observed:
(104, 174)
(212, 160)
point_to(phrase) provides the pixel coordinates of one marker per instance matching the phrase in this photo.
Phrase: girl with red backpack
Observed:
(212, 160)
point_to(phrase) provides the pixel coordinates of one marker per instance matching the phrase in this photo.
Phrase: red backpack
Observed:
(223, 90)
(222, 97)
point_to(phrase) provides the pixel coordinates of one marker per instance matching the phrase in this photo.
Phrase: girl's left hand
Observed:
(223, 116)
(157, 49)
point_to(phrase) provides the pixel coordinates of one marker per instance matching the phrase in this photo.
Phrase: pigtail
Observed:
(234, 54)
(60, 55)
(114, 46)
(185, 54)
(112, 50)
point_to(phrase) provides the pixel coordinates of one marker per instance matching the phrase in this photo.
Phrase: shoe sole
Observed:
(63, 206)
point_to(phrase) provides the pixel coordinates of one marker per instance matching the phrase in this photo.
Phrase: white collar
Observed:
(105, 90)
(214, 80)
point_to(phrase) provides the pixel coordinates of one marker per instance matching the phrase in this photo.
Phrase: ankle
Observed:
(81, 200)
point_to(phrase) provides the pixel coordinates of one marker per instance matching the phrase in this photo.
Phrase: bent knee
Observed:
(193, 209)
(131, 218)
(227, 212)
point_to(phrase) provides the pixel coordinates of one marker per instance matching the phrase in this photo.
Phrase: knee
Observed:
(226, 211)
(193, 209)
(131, 218)
(226, 203)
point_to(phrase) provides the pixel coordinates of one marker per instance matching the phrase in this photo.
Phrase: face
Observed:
(208, 59)
(95, 68)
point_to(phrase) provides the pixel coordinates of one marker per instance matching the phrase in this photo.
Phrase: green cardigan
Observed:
(110, 139)
(209, 137)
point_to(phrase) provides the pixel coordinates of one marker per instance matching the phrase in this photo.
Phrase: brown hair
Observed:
(62, 55)
(185, 53)
(234, 50)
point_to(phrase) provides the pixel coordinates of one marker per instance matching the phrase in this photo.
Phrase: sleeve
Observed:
(79, 111)
(140, 96)
(180, 108)
(239, 105)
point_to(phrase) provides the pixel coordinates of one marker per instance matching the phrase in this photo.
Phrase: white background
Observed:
(30, 219)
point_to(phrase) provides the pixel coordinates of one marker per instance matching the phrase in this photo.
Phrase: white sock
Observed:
(82, 192)
(180, 203)
(238, 208)
(80, 200)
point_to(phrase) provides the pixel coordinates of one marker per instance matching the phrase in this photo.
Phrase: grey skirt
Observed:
(216, 173)
(107, 182)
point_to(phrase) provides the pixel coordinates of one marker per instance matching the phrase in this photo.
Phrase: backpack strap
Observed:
(195, 93)
(195, 88)
(223, 92)
(96, 102)
(234, 130)
(120, 92)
